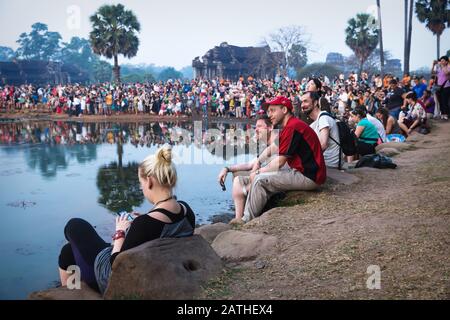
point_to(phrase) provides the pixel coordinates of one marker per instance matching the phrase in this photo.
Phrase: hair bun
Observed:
(164, 155)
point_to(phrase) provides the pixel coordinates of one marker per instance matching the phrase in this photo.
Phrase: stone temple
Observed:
(231, 62)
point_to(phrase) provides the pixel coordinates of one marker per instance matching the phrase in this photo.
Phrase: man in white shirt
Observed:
(343, 98)
(325, 127)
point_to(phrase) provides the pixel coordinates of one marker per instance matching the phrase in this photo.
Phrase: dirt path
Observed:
(397, 219)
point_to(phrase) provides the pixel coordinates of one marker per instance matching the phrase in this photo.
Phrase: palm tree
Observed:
(405, 51)
(409, 5)
(362, 37)
(115, 33)
(380, 34)
(436, 15)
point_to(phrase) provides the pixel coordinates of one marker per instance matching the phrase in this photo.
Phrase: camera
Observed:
(222, 184)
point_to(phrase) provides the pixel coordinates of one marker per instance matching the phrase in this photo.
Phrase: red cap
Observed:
(279, 101)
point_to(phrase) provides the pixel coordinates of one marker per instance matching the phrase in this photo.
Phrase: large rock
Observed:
(173, 269)
(62, 293)
(210, 232)
(399, 146)
(341, 177)
(239, 246)
(389, 152)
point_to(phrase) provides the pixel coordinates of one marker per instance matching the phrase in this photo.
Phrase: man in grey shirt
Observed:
(325, 127)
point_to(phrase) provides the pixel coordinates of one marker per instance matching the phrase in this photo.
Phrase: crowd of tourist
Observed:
(240, 99)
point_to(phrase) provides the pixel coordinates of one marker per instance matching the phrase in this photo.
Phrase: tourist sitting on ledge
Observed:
(413, 116)
(390, 124)
(241, 183)
(298, 147)
(169, 218)
(365, 132)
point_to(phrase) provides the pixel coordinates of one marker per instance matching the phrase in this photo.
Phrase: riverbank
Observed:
(398, 220)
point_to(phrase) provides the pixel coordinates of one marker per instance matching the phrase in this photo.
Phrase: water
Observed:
(51, 172)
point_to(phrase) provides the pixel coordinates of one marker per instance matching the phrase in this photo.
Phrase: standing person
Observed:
(238, 107)
(298, 147)
(342, 101)
(325, 127)
(442, 70)
(168, 218)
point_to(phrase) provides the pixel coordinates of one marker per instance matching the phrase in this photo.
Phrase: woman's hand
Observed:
(122, 223)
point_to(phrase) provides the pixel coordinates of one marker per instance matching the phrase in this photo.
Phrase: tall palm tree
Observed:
(380, 35)
(114, 33)
(409, 5)
(436, 15)
(405, 50)
(362, 37)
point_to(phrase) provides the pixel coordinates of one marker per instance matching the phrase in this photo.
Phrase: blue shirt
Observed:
(419, 89)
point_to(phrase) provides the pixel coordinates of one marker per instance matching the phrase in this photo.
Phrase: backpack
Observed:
(346, 137)
(376, 161)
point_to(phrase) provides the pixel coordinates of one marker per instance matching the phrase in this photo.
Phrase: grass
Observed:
(291, 202)
(219, 288)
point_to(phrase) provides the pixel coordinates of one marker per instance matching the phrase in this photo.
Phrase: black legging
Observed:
(363, 148)
(443, 96)
(83, 247)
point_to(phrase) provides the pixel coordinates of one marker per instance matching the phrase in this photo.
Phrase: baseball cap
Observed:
(278, 101)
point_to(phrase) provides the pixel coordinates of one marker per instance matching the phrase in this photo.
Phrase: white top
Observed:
(331, 154)
(380, 128)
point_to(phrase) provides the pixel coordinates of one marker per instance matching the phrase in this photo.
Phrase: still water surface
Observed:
(53, 171)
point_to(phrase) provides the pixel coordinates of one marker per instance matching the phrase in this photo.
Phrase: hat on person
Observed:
(278, 101)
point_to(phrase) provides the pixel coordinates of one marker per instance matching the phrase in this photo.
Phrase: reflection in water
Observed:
(50, 145)
(119, 187)
(55, 171)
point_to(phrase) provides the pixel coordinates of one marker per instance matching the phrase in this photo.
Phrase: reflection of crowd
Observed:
(150, 134)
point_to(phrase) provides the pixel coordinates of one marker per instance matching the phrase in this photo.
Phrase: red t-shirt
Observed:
(300, 144)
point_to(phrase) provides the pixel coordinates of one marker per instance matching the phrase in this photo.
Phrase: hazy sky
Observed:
(174, 32)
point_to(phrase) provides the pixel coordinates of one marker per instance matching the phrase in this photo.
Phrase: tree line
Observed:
(115, 32)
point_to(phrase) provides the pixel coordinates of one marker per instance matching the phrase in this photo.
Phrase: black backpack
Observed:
(346, 137)
(376, 161)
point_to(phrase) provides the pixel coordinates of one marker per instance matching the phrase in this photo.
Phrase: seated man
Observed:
(241, 183)
(325, 127)
(298, 147)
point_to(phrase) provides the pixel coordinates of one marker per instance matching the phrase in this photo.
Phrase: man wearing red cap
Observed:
(298, 147)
